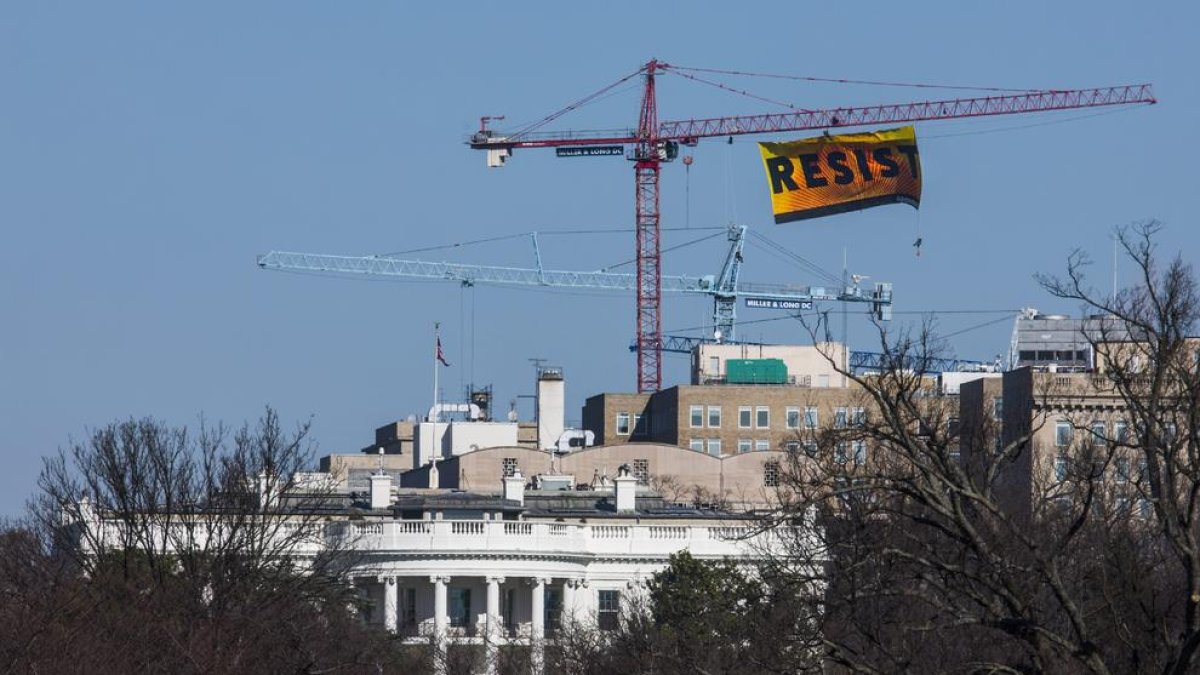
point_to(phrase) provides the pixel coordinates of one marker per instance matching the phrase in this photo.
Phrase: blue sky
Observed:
(149, 151)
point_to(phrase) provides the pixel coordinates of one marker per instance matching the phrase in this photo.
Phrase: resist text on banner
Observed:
(821, 176)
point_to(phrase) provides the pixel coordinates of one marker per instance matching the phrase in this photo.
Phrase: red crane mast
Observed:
(655, 142)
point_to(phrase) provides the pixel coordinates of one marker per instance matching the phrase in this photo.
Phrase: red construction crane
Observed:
(654, 142)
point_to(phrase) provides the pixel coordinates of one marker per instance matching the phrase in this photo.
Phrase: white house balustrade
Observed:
(496, 537)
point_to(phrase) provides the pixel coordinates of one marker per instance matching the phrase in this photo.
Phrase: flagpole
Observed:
(436, 337)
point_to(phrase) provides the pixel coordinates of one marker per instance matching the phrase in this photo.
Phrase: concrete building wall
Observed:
(602, 415)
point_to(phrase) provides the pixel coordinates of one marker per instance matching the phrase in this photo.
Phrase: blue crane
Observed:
(725, 288)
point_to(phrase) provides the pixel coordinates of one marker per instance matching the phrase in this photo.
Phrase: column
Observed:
(493, 628)
(391, 603)
(568, 602)
(440, 621)
(537, 632)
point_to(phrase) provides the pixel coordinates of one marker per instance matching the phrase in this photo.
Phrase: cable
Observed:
(797, 258)
(834, 80)
(576, 105)
(747, 94)
(665, 250)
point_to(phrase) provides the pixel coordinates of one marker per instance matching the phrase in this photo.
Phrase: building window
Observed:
(1145, 509)
(858, 417)
(810, 448)
(714, 447)
(714, 366)
(696, 444)
(997, 408)
(771, 474)
(1122, 469)
(697, 416)
(641, 471)
(744, 417)
(551, 608)
(608, 604)
(792, 446)
(762, 417)
(743, 445)
(622, 424)
(841, 452)
(793, 418)
(508, 467)
(714, 417)
(810, 417)
(408, 608)
(839, 418)
(1121, 431)
(1062, 434)
(1060, 468)
(1099, 433)
(762, 444)
(860, 452)
(459, 606)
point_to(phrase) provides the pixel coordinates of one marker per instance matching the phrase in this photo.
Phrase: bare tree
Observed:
(929, 565)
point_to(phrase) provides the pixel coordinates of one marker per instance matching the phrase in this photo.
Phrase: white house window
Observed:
(839, 418)
(714, 447)
(1099, 433)
(841, 452)
(810, 417)
(810, 448)
(793, 418)
(1062, 434)
(744, 417)
(696, 444)
(608, 604)
(858, 417)
(792, 446)
(762, 444)
(714, 417)
(762, 416)
(697, 416)
(623, 424)
(459, 606)
(860, 452)
(1145, 509)
(771, 474)
(743, 445)
(408, 608)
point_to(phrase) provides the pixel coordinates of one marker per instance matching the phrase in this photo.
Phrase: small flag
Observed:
(441, 357)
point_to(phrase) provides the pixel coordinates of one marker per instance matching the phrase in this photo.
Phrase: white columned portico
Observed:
(492, 630)
(390, 603)
(537, 627)
(441, 622)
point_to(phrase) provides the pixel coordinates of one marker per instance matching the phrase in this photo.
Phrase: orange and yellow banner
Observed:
(821, 176)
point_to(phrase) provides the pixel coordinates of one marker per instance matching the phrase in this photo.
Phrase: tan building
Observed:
(678, 475)
(1068, 427)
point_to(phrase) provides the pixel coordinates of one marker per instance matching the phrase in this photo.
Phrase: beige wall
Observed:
(675, 472)
(806, 364)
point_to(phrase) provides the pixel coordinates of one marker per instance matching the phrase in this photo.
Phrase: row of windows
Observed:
(1120, 470)
(459, 608)
(1064, 433)
(759, 417)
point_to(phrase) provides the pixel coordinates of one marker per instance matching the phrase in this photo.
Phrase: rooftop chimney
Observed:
(381, 490)
(551, 407)
(626, 489)
(514, 488)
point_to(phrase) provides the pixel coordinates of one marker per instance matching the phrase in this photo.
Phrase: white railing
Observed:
(531, 537)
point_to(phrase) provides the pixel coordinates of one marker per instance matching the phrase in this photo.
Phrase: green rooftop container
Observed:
(756, 371)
